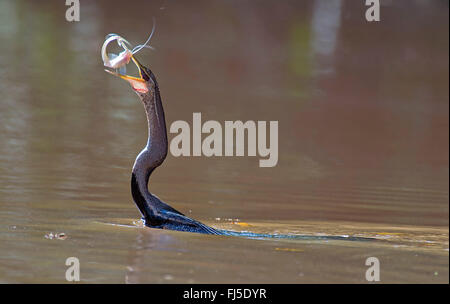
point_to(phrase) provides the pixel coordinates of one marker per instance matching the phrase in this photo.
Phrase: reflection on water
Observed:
(363, 143)
(325, 25)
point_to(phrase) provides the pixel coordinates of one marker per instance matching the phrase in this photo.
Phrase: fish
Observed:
(119, 61)
(115, 61)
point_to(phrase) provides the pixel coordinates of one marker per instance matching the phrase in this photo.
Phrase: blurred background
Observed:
(363, 111)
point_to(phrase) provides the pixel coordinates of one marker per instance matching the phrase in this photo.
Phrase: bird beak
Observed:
(138, 83)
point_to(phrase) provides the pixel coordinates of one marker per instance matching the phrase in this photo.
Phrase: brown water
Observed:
(363, 113)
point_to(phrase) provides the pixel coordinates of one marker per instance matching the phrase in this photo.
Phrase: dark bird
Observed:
(156, 214)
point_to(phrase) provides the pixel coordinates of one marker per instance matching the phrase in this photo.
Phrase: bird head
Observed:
(142, 85)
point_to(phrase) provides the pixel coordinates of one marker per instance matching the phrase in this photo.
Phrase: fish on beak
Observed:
(118, 63)
(139, 84)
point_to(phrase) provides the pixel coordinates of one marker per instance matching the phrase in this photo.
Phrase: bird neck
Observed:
(152, 155)
(157, 134)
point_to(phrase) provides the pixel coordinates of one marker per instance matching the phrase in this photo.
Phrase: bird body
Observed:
(155, 212)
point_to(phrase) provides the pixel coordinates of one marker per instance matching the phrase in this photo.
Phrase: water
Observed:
(363, 142)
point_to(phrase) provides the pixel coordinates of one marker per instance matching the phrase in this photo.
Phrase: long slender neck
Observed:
(152, 155)
(157, 134)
